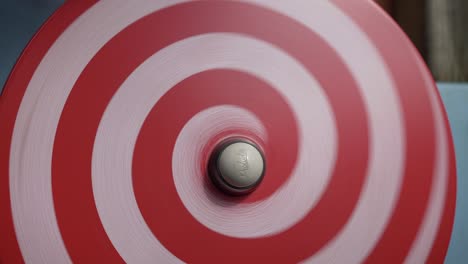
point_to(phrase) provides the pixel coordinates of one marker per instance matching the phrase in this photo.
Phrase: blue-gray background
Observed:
(20, 19)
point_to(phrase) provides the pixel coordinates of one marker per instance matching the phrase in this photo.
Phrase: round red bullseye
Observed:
(351, 121)
(62, 202)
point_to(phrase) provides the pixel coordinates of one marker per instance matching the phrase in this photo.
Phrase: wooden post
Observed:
(448, 39)
(386, 4)
(411, 16)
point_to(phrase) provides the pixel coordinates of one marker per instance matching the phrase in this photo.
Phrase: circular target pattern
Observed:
(113, 110)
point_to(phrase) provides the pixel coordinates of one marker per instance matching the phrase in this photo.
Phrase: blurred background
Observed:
(19, 21)
(438, 28)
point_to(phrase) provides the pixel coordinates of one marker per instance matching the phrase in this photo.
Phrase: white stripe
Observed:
(433, 216)
(385, 122)
(37, 119)
(125, 114)
(387, 152)
(34, 132)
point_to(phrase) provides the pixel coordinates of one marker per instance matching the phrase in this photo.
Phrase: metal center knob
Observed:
(237, 166)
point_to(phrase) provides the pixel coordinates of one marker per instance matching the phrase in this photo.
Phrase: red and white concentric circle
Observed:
(113, 109)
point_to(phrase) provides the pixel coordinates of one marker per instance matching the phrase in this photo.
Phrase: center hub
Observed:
(237, 166)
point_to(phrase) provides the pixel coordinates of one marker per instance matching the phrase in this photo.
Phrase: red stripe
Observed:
(76, 211)
(9, 105)
(153, 154)
(402, 59)
(154, 169)
(442, 241)
(440, 247)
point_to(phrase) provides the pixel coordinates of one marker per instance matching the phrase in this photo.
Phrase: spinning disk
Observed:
(112, 113)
